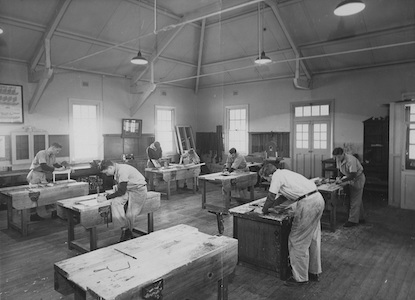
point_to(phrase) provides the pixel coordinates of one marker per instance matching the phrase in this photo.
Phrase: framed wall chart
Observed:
(11, 103)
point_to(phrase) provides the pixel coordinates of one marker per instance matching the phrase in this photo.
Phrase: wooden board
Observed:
(181, 256)
(91, 212)
(24, 197)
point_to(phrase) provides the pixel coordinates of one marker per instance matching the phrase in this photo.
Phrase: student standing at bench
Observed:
(130, 189)
(43, 164)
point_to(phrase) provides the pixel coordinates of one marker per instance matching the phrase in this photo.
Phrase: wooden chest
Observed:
(262, 239)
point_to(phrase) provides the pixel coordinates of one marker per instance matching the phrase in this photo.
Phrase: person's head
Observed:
(232, 152)
(55, 148)
(157, 145)
(191, 151)
(338, 153)
(266, 171)
(107, 167)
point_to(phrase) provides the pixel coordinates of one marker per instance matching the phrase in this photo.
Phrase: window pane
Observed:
(307, 111)
(324, 110)
(412, 136)
(315, 110)
(237, 129)
(412, 152)
(299, 111)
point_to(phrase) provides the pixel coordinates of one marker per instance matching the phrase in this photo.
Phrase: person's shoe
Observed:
(36, 217)
(350, 224)
(292, 282)
(362, 221)
(126, 235)
(313, 277)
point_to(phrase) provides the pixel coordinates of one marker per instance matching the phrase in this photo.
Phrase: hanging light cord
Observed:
(166, 28)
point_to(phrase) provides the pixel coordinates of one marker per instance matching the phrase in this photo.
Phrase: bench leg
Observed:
(150, 222)
(25, 221)
(204, 195)
(223, 288)
(71, 227)
(93, 244)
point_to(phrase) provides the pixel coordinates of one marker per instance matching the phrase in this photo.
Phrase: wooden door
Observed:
(401, 179)
(312, 144)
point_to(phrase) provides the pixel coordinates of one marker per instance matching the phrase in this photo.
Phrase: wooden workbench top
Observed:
(181, 255)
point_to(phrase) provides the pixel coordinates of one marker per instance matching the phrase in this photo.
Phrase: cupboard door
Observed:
(25, 145)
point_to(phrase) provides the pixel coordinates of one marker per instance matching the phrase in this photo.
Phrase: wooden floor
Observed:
(372, 261)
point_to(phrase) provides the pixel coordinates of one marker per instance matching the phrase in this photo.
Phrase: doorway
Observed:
(312, 139)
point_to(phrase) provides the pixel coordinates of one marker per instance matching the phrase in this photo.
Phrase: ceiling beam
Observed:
(156, 54)
(44, 79)
(199, 59)
(363, 36)
(276, 12)
(53, 24)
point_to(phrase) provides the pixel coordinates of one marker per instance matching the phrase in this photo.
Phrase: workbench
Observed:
(174, 172)
(173, 263)
(24, 197)
(89, 213)
(234, 180)
(262, 239)
(330, 192)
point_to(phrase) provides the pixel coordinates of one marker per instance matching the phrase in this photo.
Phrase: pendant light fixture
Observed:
(139, 59)
(349, 7)
(262, 59)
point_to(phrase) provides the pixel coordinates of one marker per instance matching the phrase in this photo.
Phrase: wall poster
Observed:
(11, 103)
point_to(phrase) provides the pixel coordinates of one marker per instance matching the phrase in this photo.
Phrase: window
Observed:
(165, 119)
(312, 110)
(85, 125)
(410, 137)
(320, 136)
(301, 132)
(237, 128)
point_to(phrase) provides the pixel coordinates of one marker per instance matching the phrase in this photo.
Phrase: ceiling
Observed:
(203, 43)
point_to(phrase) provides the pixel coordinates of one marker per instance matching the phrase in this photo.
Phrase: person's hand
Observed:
(115, 188)
(101, 198)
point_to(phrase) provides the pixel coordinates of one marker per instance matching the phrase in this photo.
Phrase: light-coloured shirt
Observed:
(349, 164)
(291, 185)
(237, 162)
(129, 174)
(43, 156)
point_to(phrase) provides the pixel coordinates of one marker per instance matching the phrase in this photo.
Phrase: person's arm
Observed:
(46, 168)
(121, 190)
(228, 163)
(271, 201)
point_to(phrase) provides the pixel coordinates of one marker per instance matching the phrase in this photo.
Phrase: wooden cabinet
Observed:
(376, 153)
(329, 166)
(25, 145)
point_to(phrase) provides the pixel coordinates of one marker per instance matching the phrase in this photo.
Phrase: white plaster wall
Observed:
(52, 110)
(358, 96)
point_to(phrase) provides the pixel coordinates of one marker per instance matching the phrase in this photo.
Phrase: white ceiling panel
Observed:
(101, 36)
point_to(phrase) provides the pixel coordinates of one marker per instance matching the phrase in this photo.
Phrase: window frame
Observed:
(409, 162)
(173, 131)
(227, 127)
(100, 141)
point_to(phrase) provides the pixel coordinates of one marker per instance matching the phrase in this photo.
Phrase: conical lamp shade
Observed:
(263, 59)
(139, 59)
(349, 7)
